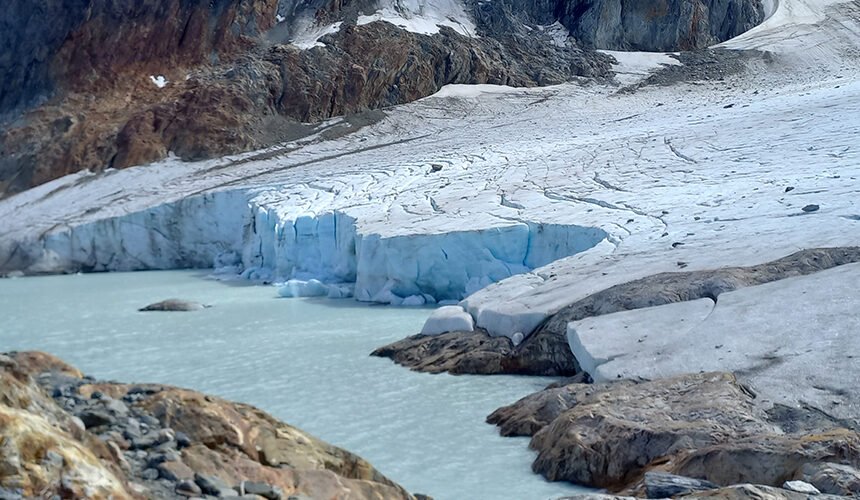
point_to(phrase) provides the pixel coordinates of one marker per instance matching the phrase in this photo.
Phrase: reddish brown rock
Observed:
(44, 448)
(35, 362)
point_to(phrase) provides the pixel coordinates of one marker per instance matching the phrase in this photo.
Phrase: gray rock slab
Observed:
(794, 341)
(602, 344)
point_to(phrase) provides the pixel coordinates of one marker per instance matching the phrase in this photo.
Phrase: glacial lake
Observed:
(304, 361)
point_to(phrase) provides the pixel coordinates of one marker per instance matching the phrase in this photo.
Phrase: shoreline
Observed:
(108, 439)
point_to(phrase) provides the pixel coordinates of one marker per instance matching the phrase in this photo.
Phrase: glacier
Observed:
(512, 203)
(235, 231)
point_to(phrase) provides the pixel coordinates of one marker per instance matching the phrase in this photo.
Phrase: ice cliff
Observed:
(237, 233)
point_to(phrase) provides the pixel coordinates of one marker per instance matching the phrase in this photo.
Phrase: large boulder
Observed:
(174, 305)
(614, 434)
(673, 434)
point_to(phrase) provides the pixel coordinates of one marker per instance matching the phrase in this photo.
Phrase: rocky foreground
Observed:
(747, 392)
(692, 436)
(70, 436)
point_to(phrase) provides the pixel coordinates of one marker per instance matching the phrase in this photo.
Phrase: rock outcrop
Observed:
(658, 26)
(630, 437)
(547, 352)
(79, 438)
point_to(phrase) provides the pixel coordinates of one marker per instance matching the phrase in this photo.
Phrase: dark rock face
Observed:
(59, 43)
(661, 25)
(27, 44)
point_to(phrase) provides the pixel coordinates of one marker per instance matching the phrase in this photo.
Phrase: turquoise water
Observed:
(304, 361)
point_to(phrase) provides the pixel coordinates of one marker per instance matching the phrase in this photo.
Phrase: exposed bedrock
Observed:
(658, 26)
(547, 351)
(72, 436)
(627, 435)
(64, 45)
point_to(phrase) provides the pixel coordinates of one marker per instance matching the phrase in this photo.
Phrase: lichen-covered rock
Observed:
(38, 459)
(44, 450)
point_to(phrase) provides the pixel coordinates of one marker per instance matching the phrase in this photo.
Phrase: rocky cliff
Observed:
(68, 435)
(106, 84)
(657, 26)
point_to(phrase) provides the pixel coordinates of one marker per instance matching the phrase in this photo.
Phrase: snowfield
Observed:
(519, 201)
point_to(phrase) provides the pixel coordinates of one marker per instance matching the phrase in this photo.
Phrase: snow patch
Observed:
(634, 67)
(160, 81)
(423, 16)
(459, 90)
(308, 37)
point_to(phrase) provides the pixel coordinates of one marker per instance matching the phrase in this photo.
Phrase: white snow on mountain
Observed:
(423, 16)
(307, 35)
(633, 67)
(521, 201)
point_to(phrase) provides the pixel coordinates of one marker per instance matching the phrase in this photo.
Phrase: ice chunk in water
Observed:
(299, 288)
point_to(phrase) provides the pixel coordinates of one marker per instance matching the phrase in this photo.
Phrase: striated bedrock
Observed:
(547, 351)
(626, 436)
(76, 437)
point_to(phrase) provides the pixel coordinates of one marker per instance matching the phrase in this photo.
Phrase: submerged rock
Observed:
(174, 305)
